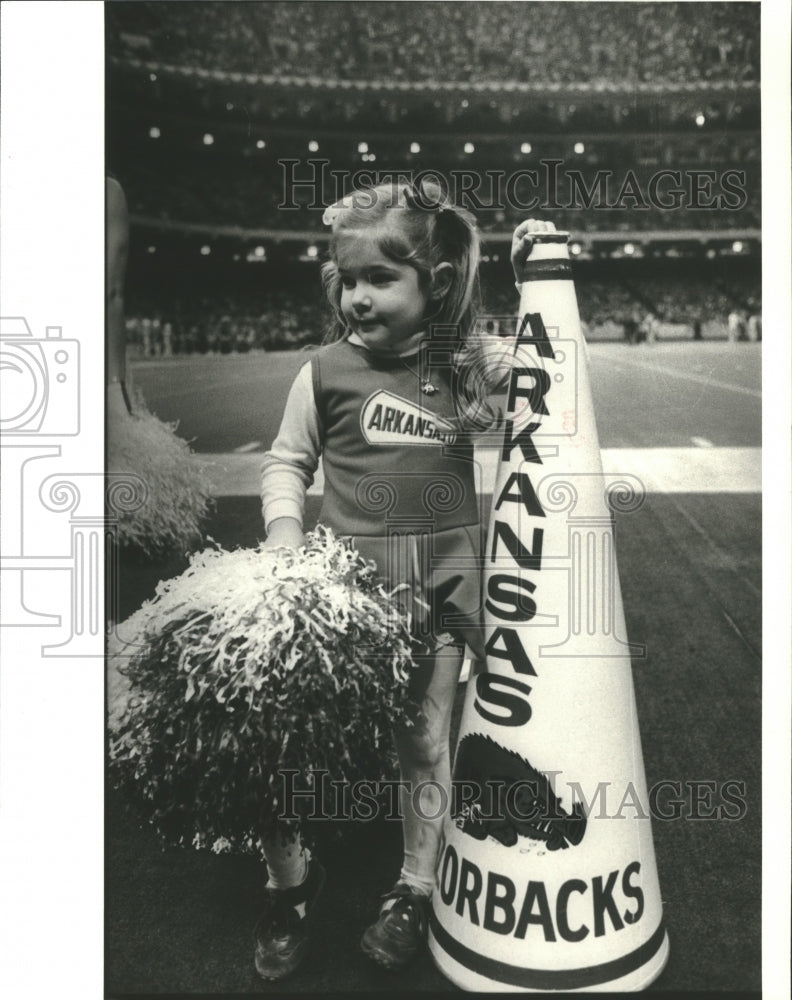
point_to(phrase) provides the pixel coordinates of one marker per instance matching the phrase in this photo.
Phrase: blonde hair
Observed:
(420, 227)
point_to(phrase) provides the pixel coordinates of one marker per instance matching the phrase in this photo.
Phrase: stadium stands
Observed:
(250, 195)
(241, 316)
(472, 42)
(207, 102)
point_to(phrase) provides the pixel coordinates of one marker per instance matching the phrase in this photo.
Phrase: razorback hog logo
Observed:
(510, 798)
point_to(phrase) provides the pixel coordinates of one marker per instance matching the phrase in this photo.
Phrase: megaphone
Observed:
(546, 876)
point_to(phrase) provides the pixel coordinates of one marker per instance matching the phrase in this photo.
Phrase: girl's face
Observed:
(382, 300)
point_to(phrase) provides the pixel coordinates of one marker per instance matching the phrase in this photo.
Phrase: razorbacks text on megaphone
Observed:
(534, 892)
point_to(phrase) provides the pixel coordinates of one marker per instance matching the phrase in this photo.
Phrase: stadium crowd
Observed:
(681, 306)
(197, 156)
(236, 99)
(250, 196)
(473, 42)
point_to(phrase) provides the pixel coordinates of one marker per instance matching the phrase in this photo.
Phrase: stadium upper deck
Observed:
(632, 101)
(472, 42)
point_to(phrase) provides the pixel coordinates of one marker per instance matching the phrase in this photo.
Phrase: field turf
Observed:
(180, 922)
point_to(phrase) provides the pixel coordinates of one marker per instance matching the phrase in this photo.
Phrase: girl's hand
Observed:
(522, 241)
(285, 533)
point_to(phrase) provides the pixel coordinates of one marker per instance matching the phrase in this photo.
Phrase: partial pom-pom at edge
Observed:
(176, 490)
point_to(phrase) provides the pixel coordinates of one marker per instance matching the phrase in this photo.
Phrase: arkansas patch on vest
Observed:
(388, 419)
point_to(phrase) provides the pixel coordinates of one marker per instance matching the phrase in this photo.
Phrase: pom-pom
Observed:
(251, 664)
(176, 488)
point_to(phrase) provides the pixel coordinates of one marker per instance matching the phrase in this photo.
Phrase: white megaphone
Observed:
(546, 876)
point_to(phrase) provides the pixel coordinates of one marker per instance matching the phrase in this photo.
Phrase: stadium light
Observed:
(738, 246)
(153, 77)
(469, 147)
(313, 146)
(312, 251)
(712, 253)
(525, 148)
(579, 148)
(700, 119)
(629, 249)
(465, 103)
(260, 144)
(415, 147)
(154, 132)
(205, 250)
(362, 147)
(258, 255)
(575, 249)
(208, 139)
(229, 106)
(152, 249)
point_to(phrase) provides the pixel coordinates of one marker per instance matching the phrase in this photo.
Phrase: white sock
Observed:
(287, 864)
(419, 881)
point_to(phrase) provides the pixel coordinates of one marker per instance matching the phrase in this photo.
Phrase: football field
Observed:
(685, 418)
(674, 394)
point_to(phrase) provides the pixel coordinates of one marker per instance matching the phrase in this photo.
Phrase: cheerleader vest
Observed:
(394, 460)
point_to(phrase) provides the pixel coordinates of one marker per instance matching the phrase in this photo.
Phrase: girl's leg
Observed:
(425, 762)
(287, 859)
(424, 757)
(295, 881)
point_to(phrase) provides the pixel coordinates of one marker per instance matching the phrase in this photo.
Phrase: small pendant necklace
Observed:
(426, 385)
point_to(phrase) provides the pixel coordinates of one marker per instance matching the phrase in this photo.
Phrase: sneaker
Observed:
(282, 931)
(400, 930)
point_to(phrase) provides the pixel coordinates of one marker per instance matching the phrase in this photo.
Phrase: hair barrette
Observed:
(418, 198)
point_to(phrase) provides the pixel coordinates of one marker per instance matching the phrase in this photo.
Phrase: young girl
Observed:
(387, 406)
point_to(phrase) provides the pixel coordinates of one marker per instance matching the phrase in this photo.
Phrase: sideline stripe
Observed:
(661, 470)
(546, 979)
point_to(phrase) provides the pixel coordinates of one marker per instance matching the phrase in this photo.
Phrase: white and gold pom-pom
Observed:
(251, 665)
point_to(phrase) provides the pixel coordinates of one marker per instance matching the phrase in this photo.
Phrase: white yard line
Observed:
(250, 446)
(705, 380)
